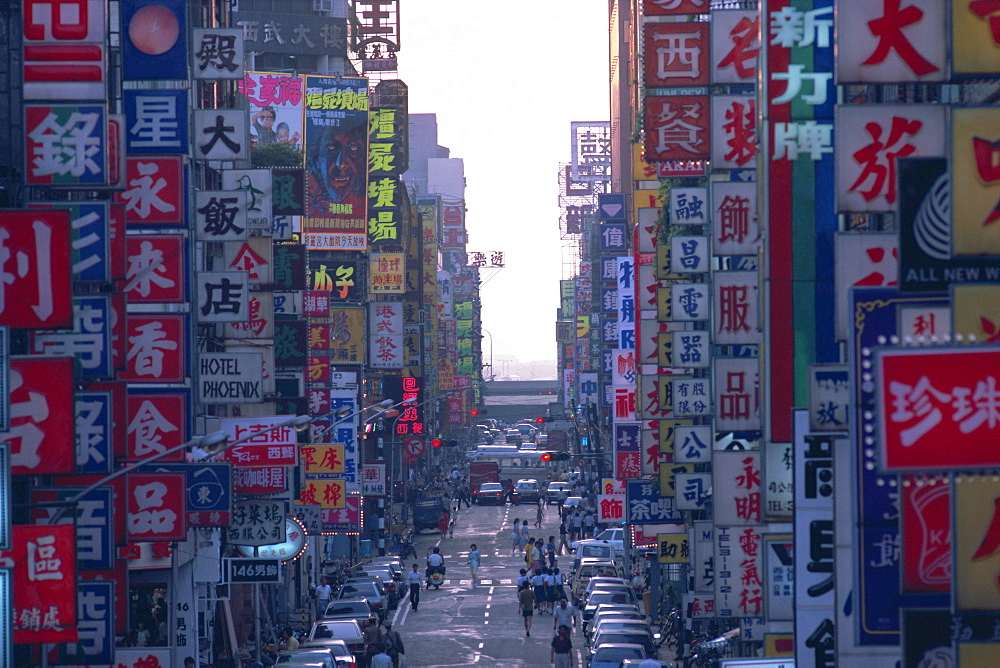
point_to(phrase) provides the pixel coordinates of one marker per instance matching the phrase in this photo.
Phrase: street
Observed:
(459, 625)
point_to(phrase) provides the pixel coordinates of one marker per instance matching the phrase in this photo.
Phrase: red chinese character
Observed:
(749, 543)
(889, 30)
(745, 47)
(751, 475)
(879, 159)
(742, 132)
(982, 9)
(988, 165)
(748, 507)
(750, 601)
(734, 304)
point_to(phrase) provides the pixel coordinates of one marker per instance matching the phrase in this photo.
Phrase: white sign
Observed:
(221, 134)
(221, 215)
(217, 53)
(373, 480)
(259, 188)
(688, 206)
(223, 296)
(230, 378)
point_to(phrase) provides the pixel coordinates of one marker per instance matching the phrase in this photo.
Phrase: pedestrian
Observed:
(577, 526)
(562, 537)
(588, 525)
(474, 557)
(465, 495)
(189, 662)
(537, 554)
(560, 588)
(394, 643)
(451, 528)
(515, 536)
(413, 579)
(550, 589)
(538, 585)
(539, 513)
(288, 640)
(550, 551)
(443, 522)
(638, 583)
(323, 592)
(380, 660)
(522, 580)
(526, 603)
(564, 615)
(562, 649)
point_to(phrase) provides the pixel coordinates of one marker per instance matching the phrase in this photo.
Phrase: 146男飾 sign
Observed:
(230, 378)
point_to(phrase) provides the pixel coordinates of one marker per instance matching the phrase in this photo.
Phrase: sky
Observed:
(505, 80)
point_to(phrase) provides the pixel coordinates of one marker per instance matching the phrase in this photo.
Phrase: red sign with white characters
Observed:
(157, 506)
(259, 479)
(35, 265)
(937, 408)
(157, 421)
(347, 518)
(156, 268)
(154, 191)
(43, 558)
(678, 128)
(64, 53)
(41, 415)
(154, 348)
(676, 55)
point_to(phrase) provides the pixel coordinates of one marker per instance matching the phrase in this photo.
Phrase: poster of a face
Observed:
(336, 162)
(275, 107)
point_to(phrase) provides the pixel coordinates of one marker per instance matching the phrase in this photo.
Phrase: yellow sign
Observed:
(975, 195)
(668, 477)
(347, 334)
(386, 272)
(325, 493)
(978, 654)
(582, 326)
(663, 312)
(667, 430)
(672, 548)
(976, 542)
(976, 311)
(779, 644)
(973, 48)
(323, 458)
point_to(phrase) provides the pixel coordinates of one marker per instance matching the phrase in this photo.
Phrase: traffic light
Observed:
(451, 443)
(539, 420)
(474, 412)
(562, 456)
(436, 443)
(546, 457)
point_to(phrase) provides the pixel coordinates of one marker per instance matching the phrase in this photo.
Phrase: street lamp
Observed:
(205, 446)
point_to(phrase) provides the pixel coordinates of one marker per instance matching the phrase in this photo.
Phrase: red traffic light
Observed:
(474, 412)
(546, 457)
(539, 420)
(436, 443)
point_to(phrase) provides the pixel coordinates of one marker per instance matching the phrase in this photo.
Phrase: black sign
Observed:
(261, 571)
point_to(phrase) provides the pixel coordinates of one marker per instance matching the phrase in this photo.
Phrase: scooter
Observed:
(435, 580)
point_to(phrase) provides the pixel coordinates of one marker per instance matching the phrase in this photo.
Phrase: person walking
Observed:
(577, 526)
(414, 580)
(537, 554)
(538, 586)
(474, 558)
(562, 649)
(550, 589)
(539, 513)
(560, 589)
(515, 536)
(550, 551)
(588, 525)
(526, 603)
(323, 592)
(562, 537)
(564, 614)
(393, 643)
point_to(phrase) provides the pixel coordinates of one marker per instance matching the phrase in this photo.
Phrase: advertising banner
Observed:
(916, 52)
(42, 239)
(157, 348)
(257, 522)
(336, 122)
(156, 506)
(678, 127)
(274, 446)
(739, 584)
(54, 135)
(737, 393)
(64, 56)
(276, 107)
(43, 561)
(386, 335)
(677, 54)
(926, 534)
(735, 47)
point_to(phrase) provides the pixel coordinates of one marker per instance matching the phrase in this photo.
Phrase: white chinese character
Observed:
(810, 137)
(151, 516)
(156, 122)
(144, 192)
(983, 406)
(145, 269)
(147, 429)
(89, 434)
(793, 27)
(146, 349)
(43, 268)
(677, 50)
(27, 432)
(795, 76)
(66, 149)
(43, 564)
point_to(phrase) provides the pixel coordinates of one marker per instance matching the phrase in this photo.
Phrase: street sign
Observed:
(413, 447)
(373, 479)
(252, 569)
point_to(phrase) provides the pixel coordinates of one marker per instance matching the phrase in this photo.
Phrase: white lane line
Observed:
(488, 606)
(486, 614)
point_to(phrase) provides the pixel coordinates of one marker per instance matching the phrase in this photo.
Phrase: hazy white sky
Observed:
(505, 80)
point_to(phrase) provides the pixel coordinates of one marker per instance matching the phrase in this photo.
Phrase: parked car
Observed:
(512, 437)
(613, 611)
(611, 655)
(587, 569)
(588, 549)
(309, 657)
(557, 492)
(357, 609)
(599, 597)
(393, 563)
(528, 490)
(611, 621)
(385, 576)
(326, 632)
(366, 590)
(614, 537)
(491, 492)
(641, 638)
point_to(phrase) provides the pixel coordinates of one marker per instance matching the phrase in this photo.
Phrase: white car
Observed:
(616, 538)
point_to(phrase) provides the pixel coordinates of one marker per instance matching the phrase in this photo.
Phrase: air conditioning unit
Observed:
(322, 5)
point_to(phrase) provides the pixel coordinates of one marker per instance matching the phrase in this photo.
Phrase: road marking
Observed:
(486, 614)
(488, 606)
(481, 645)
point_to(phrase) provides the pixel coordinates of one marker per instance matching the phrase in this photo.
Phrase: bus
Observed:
(516, 464)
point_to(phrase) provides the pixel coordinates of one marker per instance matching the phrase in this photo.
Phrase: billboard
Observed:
(336, 129)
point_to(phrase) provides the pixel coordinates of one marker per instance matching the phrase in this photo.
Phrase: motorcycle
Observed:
(435, 580)
(406, 547)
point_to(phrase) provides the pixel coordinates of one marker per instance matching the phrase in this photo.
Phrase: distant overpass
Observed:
(512, 400)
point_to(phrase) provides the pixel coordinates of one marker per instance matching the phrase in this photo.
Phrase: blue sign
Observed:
(627, 437)
(612, 207)
(156, 121)
(646, 506)
(93, 432)
(877, 532)
(95, 621)
(154, 40)
(613, 237)
(209, 488)
(95, 525)
(90, 340)
(90, 233)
